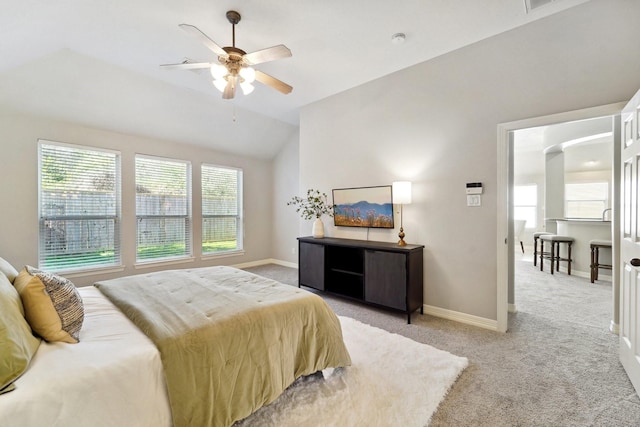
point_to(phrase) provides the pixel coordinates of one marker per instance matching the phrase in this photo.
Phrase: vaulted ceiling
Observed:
(97, 62)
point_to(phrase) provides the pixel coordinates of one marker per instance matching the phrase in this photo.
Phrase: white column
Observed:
(553, 189)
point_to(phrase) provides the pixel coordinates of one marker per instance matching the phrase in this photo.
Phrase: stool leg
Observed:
(596, 264)
(522, 246)
(553, 256)
(541, 252)
(592, 262)
(558, 256)
(569, 259)
(535, 251)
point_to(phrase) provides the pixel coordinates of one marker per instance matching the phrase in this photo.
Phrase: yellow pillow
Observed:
(17, 343)
(52, 305)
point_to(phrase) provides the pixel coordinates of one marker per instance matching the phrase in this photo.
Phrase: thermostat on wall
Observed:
(474, 188)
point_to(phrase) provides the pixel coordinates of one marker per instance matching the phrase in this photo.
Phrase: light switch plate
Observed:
(474, 200)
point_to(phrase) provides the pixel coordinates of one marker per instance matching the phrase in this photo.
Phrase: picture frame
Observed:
(366, 207)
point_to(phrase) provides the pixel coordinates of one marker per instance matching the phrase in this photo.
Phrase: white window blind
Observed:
(221, 209)
(79, 207)
(163, 208)
(586, 199)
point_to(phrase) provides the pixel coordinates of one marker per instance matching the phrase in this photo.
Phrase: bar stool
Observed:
(554, 253)
(536, 236)
(596, 245)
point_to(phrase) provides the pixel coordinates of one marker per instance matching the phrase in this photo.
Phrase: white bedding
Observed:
(113, 377)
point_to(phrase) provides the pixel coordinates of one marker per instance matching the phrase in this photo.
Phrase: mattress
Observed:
(112, 377)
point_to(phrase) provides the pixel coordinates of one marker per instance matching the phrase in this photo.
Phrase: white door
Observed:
(630, 242)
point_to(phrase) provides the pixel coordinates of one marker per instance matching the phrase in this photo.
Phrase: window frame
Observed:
(605, 201)
(116, 218)
(188, 255)
(239, 217)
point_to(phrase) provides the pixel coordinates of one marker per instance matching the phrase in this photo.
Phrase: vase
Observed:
(318, 229)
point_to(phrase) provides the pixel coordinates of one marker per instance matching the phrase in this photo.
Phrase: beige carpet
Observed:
(556, 366)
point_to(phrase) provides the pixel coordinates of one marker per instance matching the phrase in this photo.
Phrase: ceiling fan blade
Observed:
(273, 82)
(266, 55)
(194, 31)
(230, 88)
(186, 66)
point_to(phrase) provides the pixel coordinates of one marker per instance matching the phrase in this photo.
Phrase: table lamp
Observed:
(401, 191)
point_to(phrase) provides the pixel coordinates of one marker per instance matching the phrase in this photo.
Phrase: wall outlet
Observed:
(474, 200)
(293, 250)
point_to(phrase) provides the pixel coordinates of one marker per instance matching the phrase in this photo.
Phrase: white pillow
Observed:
(8, 270)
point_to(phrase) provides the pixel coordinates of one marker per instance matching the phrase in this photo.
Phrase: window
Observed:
(586, 200)
(525, 201)
(79, 207)
(163, 208)
(221, 209)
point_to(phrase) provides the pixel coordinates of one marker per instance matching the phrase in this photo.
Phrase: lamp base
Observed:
(401, 236)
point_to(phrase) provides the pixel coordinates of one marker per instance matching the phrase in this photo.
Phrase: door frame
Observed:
(504, 183)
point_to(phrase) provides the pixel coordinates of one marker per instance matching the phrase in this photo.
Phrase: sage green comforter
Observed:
(230, 341)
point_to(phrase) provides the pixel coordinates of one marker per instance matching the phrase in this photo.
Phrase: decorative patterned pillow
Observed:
(52, 305)
(17, 343)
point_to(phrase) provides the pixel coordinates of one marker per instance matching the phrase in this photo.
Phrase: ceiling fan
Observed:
(235, 66)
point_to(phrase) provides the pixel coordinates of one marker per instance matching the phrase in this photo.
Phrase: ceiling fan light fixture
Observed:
(246, 87)
(220, 84)
(248, 74)
(218, 71)
(234, 66)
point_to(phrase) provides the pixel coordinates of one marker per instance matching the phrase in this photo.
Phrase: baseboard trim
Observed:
(264, 262)
(512, 308)
(284, 263)
(614, 328)
(585, 274)
(465, 318)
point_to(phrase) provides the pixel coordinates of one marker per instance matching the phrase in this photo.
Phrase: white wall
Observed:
(553, 189)
(436, 123)
(19, 190)
(285, 219)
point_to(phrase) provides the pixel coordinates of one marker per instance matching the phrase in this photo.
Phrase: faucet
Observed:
(604, 213)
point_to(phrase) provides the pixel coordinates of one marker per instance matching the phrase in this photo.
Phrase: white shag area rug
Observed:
(393, 381)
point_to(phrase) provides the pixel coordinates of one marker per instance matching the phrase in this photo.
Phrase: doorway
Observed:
(505, 217)
(563, 184)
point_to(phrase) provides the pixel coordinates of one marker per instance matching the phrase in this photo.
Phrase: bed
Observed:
(202, 346)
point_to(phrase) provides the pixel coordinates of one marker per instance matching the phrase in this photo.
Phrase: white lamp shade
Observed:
(247, 88)
(218, 71)
(401, 192)
(220, 84)
(248, 74)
